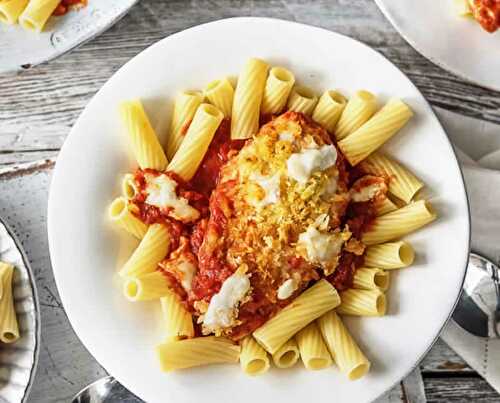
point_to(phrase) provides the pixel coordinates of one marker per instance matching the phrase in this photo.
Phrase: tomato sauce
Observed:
(152, 214)
(343, 275)
(220, 150)
(66, 5)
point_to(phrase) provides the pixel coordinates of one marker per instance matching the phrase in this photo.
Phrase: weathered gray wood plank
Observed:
(459, 390)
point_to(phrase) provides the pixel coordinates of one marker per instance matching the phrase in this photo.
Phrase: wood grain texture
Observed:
(39, 106)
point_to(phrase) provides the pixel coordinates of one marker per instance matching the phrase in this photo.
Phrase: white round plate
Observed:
(456, 44)
(21, 49)
(84, 250)
(18, 360)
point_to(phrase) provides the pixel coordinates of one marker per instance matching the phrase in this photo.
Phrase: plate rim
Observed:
(38, 327)
(50, 223)
(383, 8)
(71, 45)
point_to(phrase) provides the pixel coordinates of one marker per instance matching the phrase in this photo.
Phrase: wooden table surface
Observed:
(39, 106)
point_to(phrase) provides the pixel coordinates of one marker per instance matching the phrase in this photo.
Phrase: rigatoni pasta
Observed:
(313, 351)
(362, 303)
(279, 84)
(185, 106)
(120, 213)
(253, 358)
(376, 131)
(308, 306)
(9, 329)
(195, 352)
(146, 148)
(402, 183)
(329, 108)
(153, 248)
(367, 278)
(220, 93)
(390, 255)
(10, 10)
(358, 110)
(146, 287)
(196, 141)
(303, 100)
(37, 13)
(177, 321)
(287, 355)
(399, 222)
(343, 348)
(247, 99)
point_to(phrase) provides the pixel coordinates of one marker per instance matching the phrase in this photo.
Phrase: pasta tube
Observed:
(343, 348)
(10, 10)
(376, 131)
(185, 106)
(313, 351)
(146, 148)
(362, 303)
(177, 319)
(328, 110)
(370, 278)
(287, 355)
(278, 87)
(399, 222)
(9, 329)
(253, 358)
(195, 352)
(129, 187)
(402, 183)
(247, 99)
(152, 249)
(220, 93)
(385, 206)
(146, 287)
(120, 213)
(311, 304)
(198, 137)
(391, 255)
(36, 14)
(358, 110)
(302, 99)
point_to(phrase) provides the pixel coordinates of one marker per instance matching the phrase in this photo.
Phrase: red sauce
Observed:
(487, 13)
(65, 5)
(359, 217)
(152, 214)
(343, 275)
(220, 150)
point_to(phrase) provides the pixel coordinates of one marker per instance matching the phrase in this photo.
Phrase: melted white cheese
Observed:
(161, 193)
(366, 193)
(187, 271)
(271, 187)
(286, 136)
(286, 289)
(320, 247)
(222, 309)
(301, 165)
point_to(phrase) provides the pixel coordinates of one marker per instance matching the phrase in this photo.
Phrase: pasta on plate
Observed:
(268, 217)
(32, 15)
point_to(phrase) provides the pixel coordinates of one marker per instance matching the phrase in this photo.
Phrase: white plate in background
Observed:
(21, 49)
(457, 44)
(84, 250)
(18, 360)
